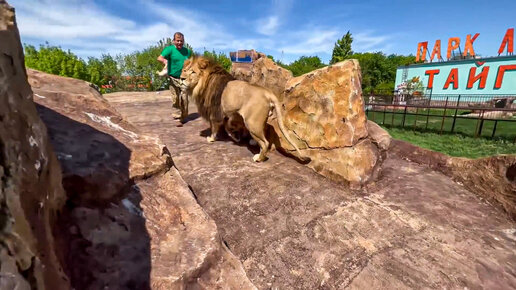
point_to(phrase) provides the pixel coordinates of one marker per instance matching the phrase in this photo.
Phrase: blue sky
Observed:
(284, 29)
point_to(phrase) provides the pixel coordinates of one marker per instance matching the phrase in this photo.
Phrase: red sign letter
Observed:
(468, 48)
(501, 72)
(453, 77)
(451, 47)
(508, 40)
(436, 50)
(424, 47)
(431, 73)
(482, 76)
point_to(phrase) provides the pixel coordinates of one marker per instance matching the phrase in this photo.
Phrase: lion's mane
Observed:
(213, 81)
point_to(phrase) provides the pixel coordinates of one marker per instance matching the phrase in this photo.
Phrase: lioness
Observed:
(218, 95)
(235, 128)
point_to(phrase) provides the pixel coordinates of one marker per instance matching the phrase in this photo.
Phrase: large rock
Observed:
(324, 110)
(131, 221)
(268, 74)
(263, 72)
(86, 133)
(31, 194)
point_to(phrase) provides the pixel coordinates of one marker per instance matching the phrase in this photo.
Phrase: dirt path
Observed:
(294, 229)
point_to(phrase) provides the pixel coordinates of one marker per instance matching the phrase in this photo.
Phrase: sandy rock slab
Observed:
(292, 228)
(492, 178)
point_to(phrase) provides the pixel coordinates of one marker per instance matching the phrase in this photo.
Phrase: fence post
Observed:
(415, 118)
(481, 123)
(477, 127)
(404, 115)
(428, 111)
(392, 117)
(494, 129)
(384, 109)
(455, 115)
(371, 96)
(444, 115)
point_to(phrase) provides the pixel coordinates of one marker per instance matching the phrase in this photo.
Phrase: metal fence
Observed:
(491, 116)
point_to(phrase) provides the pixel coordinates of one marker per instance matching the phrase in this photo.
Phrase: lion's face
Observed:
(192, 71)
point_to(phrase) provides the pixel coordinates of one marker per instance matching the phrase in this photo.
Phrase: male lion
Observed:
(218, 95)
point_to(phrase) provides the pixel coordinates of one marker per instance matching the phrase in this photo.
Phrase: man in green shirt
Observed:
(174, 56)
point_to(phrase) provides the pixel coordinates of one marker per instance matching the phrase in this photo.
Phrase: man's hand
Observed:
(162, 60)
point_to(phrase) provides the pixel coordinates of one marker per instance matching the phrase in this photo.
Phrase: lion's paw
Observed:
(210, 139)
(257, 158)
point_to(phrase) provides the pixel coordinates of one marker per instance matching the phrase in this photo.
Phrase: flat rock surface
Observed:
(294, 229)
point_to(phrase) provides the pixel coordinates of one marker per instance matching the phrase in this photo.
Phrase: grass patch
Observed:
(453, 144)
(432, 121)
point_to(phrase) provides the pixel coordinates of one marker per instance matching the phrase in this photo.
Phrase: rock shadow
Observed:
(101, 232)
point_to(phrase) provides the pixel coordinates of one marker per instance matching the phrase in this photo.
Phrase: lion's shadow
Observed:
(191, 117)
(271, 135)
(222, 136)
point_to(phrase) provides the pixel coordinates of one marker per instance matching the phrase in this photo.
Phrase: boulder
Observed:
(131, 222)
(87, 134)
(324, 111)
(263, 72)
(268, 74)
(31, 194)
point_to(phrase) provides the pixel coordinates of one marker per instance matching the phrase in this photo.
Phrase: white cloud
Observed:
(277, 14)
(365, 41)
(65, 20)
(83, 26)
(268, 25)
(311, 41)
(90, 30)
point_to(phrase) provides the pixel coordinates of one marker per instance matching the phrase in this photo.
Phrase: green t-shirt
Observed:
(175, 58)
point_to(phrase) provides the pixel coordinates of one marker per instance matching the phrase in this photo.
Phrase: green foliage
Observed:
(342, 49)
(137, 70)
(54, 60)
(379, 70)
(304, 65)
(220, 58)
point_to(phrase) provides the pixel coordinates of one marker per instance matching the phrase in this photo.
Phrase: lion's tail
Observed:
(277, 107)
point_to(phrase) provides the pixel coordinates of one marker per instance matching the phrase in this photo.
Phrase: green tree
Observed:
(138, 69)
(342, 49)
(305, 64)
(220, 58)
(54, 60)
(379, 70)
(103, 71)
